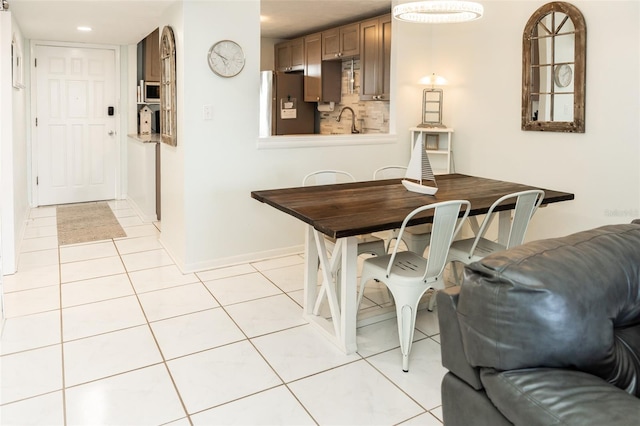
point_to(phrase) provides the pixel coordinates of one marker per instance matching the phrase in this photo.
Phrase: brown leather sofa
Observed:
(547, 333)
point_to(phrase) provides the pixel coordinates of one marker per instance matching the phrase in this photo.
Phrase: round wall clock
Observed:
(562, 75)
(226, 58)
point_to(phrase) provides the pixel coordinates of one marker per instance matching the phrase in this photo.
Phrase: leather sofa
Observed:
(547, 333)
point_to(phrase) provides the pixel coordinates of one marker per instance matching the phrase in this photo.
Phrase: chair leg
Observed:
(432, 300)
(406, 310)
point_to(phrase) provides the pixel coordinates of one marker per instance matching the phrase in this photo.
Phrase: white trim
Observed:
(119, 178)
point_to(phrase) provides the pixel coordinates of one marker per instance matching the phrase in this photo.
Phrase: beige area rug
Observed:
(81, 223)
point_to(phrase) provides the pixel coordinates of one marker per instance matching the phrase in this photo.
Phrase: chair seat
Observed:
(459, 250)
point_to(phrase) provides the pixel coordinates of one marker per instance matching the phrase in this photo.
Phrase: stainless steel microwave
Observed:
(151, 91)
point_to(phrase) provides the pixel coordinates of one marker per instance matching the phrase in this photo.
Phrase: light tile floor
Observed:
(112, 332)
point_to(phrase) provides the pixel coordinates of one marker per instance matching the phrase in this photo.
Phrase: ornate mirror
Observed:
(553, 69)
(168, 116)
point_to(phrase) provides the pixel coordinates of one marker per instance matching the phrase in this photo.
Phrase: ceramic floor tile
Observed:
(380, 337)
(300, 352)
(48, 211)
(37, 259)
(146, 260)
(30, 373)
(30, 332)
(277, 262)
(87, 251)
(140, 397)
(261, 316)
(37, 244)
(288, 278)
(160, 278)
(34, 278)
(124, 212)
(40, 231)
(231, 271)
(425, 374)
(140, 231)
(359, 395)
(425, 419)
(42, 221)
(101, 317)
(108, 354)
(241, 288)
(257, 410)
(95, 290)
(437, 412)
(133, 245)
(220, 375)
(29, 302)
(176, 301)
(42, 410)
(118, 204)
(130, 221)
(195, 332)
(427, 322)
(87, 269)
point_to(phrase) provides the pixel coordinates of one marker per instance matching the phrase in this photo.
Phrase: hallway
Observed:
(111, 332)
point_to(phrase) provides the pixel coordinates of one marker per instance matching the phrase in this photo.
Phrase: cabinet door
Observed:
(369, 59)
(350, 40)
(313, 68)
(331, 44)
(152, 56)
(375, 58)
(297, 54)
(282, 56)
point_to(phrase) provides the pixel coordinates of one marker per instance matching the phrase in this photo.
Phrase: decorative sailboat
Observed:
(419, 169)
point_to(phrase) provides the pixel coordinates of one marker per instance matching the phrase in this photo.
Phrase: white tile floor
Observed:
(111, 332)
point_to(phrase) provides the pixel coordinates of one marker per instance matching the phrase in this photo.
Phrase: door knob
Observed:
(111, 132)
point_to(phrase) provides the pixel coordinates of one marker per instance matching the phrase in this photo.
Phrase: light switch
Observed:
(207, 112)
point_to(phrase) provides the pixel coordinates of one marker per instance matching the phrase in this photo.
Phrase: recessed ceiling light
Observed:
(84, 29)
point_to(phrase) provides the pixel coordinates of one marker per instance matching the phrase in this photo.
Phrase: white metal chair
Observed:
(416, 238)
(408, 275)
(366, 243)
(473, 249)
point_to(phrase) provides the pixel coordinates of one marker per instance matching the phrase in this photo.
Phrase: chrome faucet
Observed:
(353, 119)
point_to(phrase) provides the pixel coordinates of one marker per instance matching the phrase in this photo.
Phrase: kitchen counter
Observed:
(314, 141)
(152, 138)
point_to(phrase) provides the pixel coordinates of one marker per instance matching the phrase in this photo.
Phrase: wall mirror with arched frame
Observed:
(553, 69)
(168, 116)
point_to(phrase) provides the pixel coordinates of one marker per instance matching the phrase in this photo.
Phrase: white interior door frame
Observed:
(121, 138)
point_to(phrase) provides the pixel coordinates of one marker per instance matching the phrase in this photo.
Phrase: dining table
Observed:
(343, 212)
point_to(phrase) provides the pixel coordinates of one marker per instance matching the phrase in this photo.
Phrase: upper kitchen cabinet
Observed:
(342, 42)
(289, 55)
(322, 79)
(152, 56)
(375, 59)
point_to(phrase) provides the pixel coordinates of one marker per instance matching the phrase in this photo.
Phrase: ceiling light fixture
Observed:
(86, 29)
(438, 12)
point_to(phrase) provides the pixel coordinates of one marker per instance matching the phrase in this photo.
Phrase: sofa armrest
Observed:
(554, 396)
(453, 357)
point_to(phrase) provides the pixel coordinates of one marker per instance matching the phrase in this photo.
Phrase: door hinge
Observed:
(37, 180)
(35, 62)
(36, 121)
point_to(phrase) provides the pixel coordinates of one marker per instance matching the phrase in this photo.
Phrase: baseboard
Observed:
(143, 216)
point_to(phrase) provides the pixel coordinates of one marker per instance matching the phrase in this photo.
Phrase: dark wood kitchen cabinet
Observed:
(322, 79)
(342, 42)
(375, 59)
(289, 55)
(152, 56)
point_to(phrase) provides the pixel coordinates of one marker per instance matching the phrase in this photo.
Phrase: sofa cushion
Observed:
(571, 302)
(544, 396)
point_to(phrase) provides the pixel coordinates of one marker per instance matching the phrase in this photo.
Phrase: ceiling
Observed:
(124, 22)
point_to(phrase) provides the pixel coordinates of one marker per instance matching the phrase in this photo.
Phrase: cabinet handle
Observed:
(318, 98)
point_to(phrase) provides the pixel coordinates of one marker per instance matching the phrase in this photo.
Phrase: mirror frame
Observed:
(579, 71)
(168, 110)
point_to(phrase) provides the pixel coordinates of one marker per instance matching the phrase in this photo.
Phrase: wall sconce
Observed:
(432, 101)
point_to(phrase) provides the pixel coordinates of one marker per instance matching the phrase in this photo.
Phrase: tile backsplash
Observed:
(371, 116)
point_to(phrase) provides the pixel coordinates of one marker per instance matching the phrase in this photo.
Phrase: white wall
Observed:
(209, 219)
(13, 148)
(482, 61)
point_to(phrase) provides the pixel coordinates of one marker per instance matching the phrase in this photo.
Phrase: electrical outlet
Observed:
(207, 112)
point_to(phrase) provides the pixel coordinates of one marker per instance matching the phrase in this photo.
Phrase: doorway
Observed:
(76, 144)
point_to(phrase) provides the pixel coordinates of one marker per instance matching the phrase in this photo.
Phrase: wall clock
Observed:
(563, 75)
(226, 58)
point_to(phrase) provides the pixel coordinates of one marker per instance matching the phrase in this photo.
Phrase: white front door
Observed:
(75, 135)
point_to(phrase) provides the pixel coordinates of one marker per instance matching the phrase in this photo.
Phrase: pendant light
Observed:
(438, 12)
